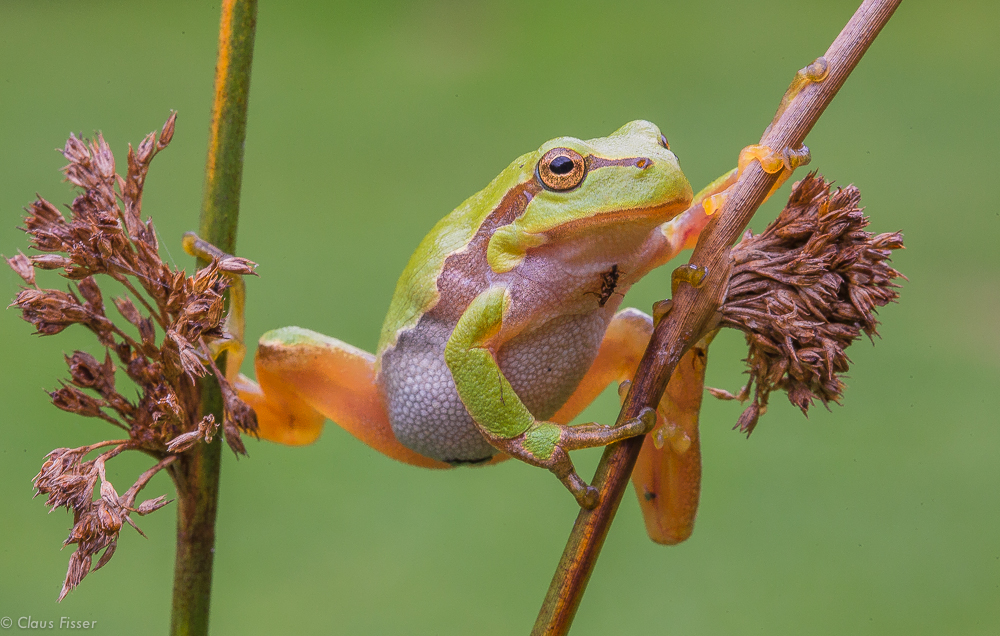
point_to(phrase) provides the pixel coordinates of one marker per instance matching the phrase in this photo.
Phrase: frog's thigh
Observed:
(305, 378)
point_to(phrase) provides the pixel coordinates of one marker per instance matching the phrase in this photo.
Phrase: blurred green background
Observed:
(370, 121)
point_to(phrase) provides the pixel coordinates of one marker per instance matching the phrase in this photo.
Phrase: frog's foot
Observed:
(667, 476)
(546, 445)
(814, 73)
(783, 161)
(233, 344)
(689, 273)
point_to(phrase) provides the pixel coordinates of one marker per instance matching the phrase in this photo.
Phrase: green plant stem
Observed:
(196, 473)
(693, 313)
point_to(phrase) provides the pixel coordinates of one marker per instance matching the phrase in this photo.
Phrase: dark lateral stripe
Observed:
(464, 275)
(594, 162)
(513, 205)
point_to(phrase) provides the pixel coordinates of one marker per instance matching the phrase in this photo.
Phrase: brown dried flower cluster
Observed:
(802, 291)
(163, 352)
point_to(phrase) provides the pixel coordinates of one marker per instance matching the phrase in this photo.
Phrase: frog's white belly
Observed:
(544, 366)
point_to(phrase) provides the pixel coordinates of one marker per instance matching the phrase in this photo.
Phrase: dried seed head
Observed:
(183, 442)
(151, 505)
(105, 235)
(145, 151)
(73, 400)
(76, 151)
(65, 479)
(232, 435)
(167, 404)
(167, 132)
(108, 519)
(805, 289)
(50, 261)
(21, 265)
(237, 265)
(128, 310)
(87, 373)
(79, 567)
(104, 161)
(108, 553)
(206, 430)
(241, 415)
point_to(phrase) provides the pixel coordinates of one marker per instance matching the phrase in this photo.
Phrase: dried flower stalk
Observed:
(802, 291)
(172, 318)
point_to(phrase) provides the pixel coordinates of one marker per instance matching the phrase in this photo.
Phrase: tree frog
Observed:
(505, 325)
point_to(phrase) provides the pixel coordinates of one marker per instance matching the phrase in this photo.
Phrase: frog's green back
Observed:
(416, 291)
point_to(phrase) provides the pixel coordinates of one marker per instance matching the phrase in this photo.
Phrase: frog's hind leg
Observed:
(304, 378)
(667, 475)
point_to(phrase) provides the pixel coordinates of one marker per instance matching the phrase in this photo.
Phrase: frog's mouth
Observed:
(652, 215)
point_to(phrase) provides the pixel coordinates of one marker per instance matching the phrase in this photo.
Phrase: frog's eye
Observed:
(562, 169)
(663, 142)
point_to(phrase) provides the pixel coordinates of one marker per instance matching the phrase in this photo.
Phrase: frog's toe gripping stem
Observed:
(235, 324)
(815, 72)
(305, 378)
(546, 445)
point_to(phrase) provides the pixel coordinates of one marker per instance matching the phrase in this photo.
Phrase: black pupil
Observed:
(561, 165)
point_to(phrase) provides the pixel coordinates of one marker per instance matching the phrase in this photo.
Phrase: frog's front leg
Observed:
(500, 414)
(681, 232)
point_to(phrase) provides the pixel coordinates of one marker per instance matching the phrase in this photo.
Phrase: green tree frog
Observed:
(505, 325)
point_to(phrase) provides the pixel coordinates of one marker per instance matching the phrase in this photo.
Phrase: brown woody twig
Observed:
(197, 473)
(695, 312)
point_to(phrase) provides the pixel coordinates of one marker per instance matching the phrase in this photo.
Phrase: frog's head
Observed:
(628, 176)
(626, 181)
